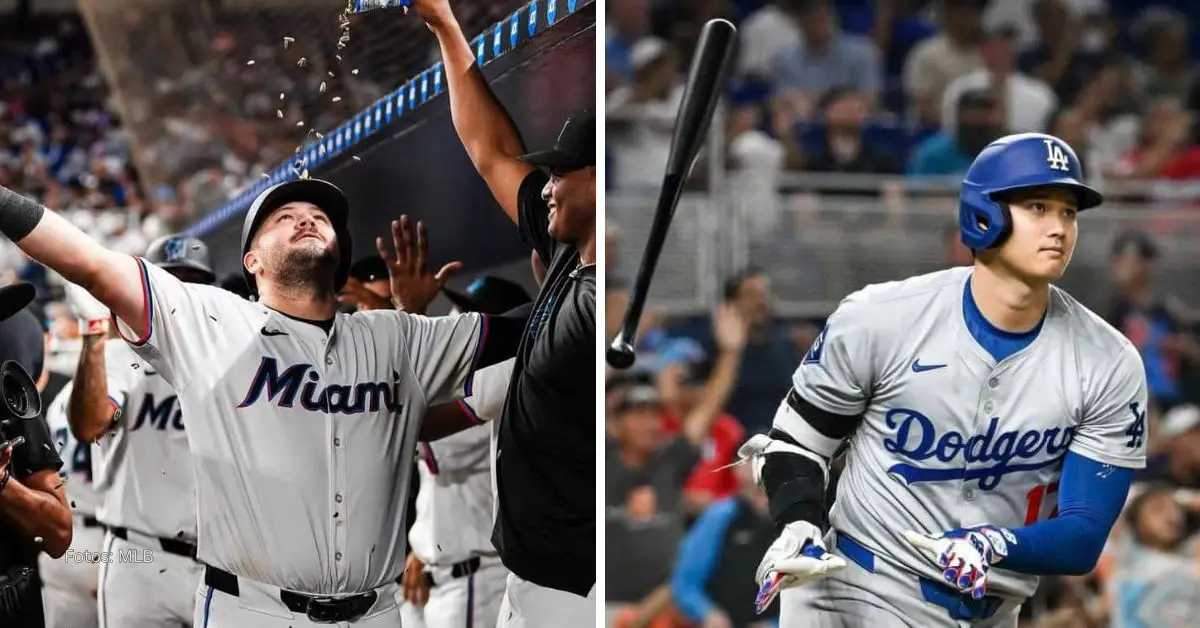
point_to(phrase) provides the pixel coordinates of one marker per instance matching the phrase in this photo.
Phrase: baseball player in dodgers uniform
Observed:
(69, 583)
(993, 422)
(302, 423)
(452, 532)
(147, 503)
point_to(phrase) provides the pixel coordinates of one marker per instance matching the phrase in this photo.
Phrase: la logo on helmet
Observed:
(1056, 156)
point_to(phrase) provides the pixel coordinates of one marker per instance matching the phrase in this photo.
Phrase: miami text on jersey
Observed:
(918, 440)
(281, 388)
(158, 414)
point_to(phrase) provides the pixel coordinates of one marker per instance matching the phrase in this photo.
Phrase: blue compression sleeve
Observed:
(698, 555)
(1090, 497)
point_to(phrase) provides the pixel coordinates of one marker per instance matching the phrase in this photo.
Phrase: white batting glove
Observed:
(965, 554)
(797, 557)
(92, 314)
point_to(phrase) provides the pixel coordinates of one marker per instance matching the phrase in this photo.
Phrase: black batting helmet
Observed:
(324, 195)
(177, 251)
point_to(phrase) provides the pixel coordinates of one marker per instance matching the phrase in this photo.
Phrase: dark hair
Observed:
(833, 95)
(733, 285)
(980, 98)
(1134, 508)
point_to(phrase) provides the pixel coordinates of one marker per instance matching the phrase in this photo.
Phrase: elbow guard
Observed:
(793, 478)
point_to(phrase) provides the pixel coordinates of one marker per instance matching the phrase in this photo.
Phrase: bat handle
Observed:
(620, 354)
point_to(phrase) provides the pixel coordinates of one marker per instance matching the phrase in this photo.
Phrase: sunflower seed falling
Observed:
(266, 176)
(304, 175)
(339, 57)
(318, 134)
(337, 99)
(302, 62)
(279, 113)
(250, 62)
(37, 539)
(330, 74)
(354, 71)
(322, 88)
(356, 158)
(288, 41)
(281, 95)
(300, 123)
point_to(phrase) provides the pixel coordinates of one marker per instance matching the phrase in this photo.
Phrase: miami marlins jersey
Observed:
(143, 465)
(302, 441)
(949, 437)
(455, 501)
(76, 456)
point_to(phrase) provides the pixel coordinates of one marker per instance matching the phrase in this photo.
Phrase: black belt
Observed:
(173, 546)
(319, 609)
(458, 570)
(91, 522)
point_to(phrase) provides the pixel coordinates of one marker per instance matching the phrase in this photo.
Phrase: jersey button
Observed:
(969, 493)
(988, 407)
(338, 498)
(993, 382)
(337, 556)
(337, 442)
(329, 360)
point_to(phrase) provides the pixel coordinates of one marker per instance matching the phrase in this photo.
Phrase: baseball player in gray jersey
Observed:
(993, 423)
(302, 423)
(451, 536)
(69, 584)
(147, 502)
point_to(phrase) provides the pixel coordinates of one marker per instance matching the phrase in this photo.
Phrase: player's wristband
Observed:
(4, 480)
(93, 327)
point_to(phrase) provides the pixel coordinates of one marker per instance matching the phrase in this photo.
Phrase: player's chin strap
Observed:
(794, 478)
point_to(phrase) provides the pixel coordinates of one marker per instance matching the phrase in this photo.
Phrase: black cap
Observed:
(489, 295)
(369, 269)
(575, 147)
(1136, 242)
(15, 298)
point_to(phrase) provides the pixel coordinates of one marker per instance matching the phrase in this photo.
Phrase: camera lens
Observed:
(14, 396)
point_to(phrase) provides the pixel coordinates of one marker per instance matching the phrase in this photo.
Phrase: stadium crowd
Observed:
(912, 89)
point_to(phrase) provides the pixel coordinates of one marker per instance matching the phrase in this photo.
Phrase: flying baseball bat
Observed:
(704, 83)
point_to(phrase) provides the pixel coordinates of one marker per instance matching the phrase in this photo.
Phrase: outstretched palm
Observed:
(413, 286)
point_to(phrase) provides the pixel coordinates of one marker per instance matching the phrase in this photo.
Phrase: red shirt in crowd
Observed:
(719, 450)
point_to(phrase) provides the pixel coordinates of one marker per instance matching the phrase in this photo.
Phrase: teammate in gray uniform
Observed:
(143, 471)
(993, 423)
(302, 423)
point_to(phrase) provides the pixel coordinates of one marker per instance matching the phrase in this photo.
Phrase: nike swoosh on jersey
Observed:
(273, 332)
(917, 367)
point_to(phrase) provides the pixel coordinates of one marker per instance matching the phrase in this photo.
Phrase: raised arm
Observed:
(487, 132)
(91, 410)
(111, 277)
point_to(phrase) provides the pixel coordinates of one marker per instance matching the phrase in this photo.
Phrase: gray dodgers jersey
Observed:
(143, 465)
(302, 442)
(950, 438)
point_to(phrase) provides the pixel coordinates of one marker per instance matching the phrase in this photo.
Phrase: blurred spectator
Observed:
(939, 60)
(1027, 101)
(628, 21)
(978, 121)
(1069, 125)
(641, 115)
(770, 356)
(898, 26)
(720, 555)
(685, 386)
(1147, 320)
(765, 33)
(825, 58)
(1112, 127)
(1061, 58)
(644, 477)
(1165, 148)
(1021, 17)
(845, 149)
(1166, 70)
(1156, 580)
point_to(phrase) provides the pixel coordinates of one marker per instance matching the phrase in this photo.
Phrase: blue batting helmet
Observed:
(1014, 162)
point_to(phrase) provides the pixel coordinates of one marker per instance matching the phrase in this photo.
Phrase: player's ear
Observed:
(250, 261)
